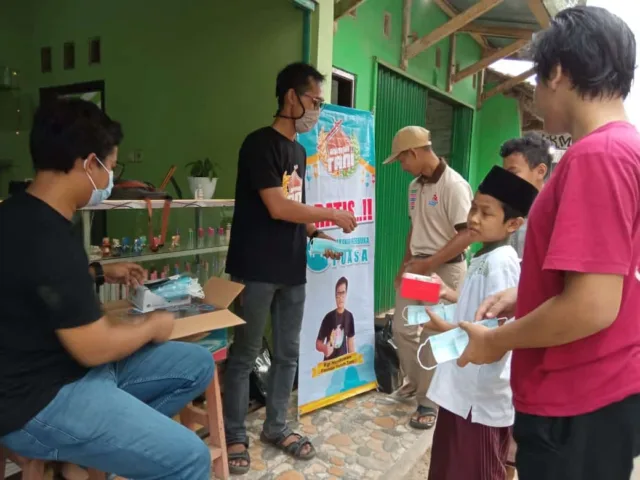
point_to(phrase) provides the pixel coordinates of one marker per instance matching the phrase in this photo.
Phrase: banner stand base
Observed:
(338, 397)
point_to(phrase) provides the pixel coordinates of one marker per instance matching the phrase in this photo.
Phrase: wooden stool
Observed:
(211, 417)
(34, 469)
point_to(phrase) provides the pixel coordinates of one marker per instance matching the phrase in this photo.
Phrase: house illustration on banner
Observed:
(338, 152)
(292, 185)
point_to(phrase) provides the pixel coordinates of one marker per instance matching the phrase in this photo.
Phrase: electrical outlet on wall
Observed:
(135, 156)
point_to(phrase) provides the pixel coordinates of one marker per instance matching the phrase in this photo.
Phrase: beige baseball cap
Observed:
(406, 139)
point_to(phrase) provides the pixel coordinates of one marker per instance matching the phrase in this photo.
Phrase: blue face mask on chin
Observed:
(449, 345)
(417, 314)
(99, 195)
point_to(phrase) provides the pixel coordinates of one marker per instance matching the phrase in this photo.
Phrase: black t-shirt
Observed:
(45, 286)
(336, 329)
(263, 249)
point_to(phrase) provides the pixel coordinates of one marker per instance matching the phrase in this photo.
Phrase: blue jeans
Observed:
(117, 418)
(258, 300)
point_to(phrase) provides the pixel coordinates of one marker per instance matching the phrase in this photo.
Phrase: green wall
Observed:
(358, 40)
(15, 30)
(186, 79)
(496, 122)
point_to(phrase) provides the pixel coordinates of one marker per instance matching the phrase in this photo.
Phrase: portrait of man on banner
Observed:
(336, 337)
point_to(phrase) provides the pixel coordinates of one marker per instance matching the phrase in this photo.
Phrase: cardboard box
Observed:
(218, 292)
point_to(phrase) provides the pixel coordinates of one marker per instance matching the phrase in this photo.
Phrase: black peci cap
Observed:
(509, 189)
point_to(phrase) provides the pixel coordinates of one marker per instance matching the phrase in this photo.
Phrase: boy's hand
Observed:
(437, 323)
(445, 291)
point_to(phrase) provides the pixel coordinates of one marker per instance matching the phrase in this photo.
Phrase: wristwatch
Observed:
(98, 273)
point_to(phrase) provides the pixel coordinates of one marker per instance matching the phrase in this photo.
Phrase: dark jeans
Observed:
(286, 306)
(596, 446)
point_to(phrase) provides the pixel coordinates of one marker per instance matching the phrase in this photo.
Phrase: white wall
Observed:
(621, 8)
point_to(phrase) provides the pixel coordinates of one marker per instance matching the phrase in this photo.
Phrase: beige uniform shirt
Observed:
(436, 208)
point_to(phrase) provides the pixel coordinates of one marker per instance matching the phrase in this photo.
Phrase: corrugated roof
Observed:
(512, 14)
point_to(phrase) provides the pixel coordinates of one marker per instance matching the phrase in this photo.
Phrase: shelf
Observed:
(150, 257)
(142, 204)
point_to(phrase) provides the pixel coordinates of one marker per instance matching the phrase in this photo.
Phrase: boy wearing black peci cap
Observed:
(476, 411)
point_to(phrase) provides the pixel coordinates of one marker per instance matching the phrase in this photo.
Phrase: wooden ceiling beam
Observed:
(453, 25)
(507, 85)
(406, 32)
(540, 12)
(451, 65)
(503, 32)
(451, 12)
(489, 59)
(345, 7)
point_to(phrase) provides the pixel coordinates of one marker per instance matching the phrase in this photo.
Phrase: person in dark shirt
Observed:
(337, 331)
(76, 386)
(267, 253)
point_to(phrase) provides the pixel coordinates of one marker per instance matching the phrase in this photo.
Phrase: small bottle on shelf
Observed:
(211, 237)
(200, 237)
(221, 236)
(227, 234)
(191, 241)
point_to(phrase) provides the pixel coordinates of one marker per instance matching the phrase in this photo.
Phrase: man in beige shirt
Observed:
(439, 202)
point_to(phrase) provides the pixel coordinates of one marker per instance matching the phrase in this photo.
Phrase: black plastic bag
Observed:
(259, 378)
(386, 361)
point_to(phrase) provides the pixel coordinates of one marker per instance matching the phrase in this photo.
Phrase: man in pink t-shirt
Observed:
(576, 341)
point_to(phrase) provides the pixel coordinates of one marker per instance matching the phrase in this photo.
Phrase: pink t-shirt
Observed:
(587, 220)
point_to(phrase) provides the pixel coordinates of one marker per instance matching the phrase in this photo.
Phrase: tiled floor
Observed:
(361, 438)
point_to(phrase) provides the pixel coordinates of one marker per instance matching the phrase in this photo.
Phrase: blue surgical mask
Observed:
(417, 315)
(177, 287)
(99, 195)
(449, 345)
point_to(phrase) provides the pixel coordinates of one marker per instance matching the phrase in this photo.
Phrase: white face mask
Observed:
(308, 120)
(449, 345)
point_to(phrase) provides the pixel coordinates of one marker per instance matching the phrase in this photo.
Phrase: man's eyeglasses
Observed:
(341, 294)
(318, 102)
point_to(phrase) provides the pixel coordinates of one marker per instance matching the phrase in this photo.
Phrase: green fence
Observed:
(400, 102)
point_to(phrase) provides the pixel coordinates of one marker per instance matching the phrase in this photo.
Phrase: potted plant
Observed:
(203, 176)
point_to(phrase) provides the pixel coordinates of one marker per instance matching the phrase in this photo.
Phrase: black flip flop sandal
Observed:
(242, 456)
(424, 412)
(294, 449)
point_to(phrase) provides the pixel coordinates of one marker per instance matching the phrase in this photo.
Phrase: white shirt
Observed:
(517, 239)
(484, 391)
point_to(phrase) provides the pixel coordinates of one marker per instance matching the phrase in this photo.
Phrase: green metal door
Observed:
(400, 102)
(461, 140)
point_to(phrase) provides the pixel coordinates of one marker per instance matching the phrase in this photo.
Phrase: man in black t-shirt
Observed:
(267, 253)
(75, 386)
(337, 331)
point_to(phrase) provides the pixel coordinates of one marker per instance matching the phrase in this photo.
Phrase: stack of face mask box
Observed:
(165, 293)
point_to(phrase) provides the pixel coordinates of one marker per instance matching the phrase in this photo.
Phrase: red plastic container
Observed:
(420, 287)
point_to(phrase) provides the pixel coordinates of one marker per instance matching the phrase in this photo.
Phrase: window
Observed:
(95, 53)
(386, 25)
(46, 65)
(69, 60)
(343, 88)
